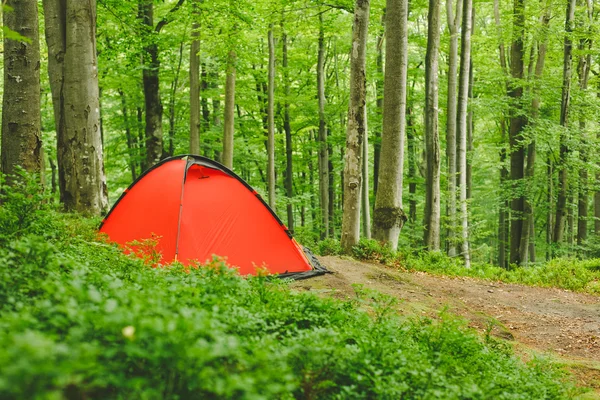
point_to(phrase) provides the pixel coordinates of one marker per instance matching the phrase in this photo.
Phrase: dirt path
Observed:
(564, 324)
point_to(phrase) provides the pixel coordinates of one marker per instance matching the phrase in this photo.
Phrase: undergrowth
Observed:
(564, 273)
(79, 319)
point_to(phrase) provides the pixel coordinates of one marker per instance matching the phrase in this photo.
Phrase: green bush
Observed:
(78, 319)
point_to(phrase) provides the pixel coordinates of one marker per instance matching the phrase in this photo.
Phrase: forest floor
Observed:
(557, 323)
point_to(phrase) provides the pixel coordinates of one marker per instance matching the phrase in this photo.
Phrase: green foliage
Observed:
(329, 247)
(79, 319)
(26, 208)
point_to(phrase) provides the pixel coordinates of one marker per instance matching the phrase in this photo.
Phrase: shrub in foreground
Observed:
(78, 319)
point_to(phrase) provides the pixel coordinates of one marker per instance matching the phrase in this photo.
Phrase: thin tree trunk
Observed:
(172, 110)
(432, 140)
(463, 99)
(271, 121)
(229, 111)
(289, 171)
(73, 71)
(527, 245)
(563, 183)
(378, 103)
(470, 128)
(503, 215)
(195, 81)
(323, 146)
(389, 217)
(356, 130)
(21, 130)
(205, 124)
(583, 69)
(131, 148)
(412, 163)
(453, 26)
(365, 204)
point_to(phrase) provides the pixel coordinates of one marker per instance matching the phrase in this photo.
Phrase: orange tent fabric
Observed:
(198, 208)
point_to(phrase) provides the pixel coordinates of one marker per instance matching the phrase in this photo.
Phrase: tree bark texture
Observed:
(73, 71)
(432, 139)
(515, 133)
(150, 79)
(453, 27)
(289, 171)
(323, 146)
(356, 128)
(389, 216)
(229, 119)
(21, 131)
(271, 120)
(462, 110)
(527, 245)
(195, 82)
(378, 103)
(563, 183)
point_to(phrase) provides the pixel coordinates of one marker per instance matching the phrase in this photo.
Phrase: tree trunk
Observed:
(389, 217)
(515, 134)
(453, 27)
(73, 71)
(323, 146)
(527, 245)
(503, 215)
(356, 130)
(463, 99)
(227, 158)
(271, 121)
(583, 69)
(365, 203)
(195, 81)
(378, 103)
(289, 172)
(172, 110)
(150, 78)
(563, 184)
(21, 131)
(131, 147)
(432, 139)
(412, 162)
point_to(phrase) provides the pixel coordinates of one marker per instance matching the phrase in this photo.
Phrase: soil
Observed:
(558, 323)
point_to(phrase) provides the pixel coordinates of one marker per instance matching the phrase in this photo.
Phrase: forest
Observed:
(452, 138)
(483, 147)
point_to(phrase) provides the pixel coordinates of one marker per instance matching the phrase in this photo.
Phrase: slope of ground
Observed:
(556, 322)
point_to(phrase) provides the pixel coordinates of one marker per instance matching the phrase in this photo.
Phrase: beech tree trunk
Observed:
(389, 216)
(356, 129)
(432, 139)
(289, 172)
(73, 71)
(271, 120)
(583, 69)
(454, 20)
(503, 215)
(515, 134)
(195, 82)
(228, 123)
(563, 183)
(323, 146)
(21, 136)
(365, 203)
(131, 143)
(378, 103)
(463, 99)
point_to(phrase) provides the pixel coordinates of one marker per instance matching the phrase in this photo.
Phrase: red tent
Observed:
(198, 208)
